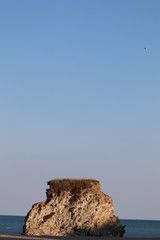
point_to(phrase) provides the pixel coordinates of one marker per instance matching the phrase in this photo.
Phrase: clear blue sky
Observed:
(80, 97)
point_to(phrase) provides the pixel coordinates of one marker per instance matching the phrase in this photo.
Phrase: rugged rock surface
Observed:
(73, 207)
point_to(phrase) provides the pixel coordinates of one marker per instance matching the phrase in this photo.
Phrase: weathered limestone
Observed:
(73, 207)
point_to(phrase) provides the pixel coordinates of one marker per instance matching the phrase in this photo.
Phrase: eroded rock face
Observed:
(73, 207)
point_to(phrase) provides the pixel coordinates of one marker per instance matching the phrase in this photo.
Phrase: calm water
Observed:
(11, 224)
(141, 228)
(134, 228)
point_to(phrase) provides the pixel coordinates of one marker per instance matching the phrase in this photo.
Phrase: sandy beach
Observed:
(14, 237)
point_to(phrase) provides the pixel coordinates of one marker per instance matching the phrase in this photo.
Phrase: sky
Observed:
(79, 98)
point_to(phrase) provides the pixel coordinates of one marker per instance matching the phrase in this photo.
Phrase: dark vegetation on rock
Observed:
(74, 186)
(71, 185)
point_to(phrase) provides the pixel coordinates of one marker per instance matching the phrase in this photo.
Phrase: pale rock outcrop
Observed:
(73, 207)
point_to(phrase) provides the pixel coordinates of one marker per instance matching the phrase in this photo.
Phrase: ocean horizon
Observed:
(13, 225)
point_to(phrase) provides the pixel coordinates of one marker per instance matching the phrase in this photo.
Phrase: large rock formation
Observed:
(73, 207)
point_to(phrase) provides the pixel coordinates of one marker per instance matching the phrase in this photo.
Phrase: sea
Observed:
(134, 228)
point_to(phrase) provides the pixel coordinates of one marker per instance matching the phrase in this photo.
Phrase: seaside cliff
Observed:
(74, 207)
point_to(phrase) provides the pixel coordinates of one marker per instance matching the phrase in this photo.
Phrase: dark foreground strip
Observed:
(13, 237)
